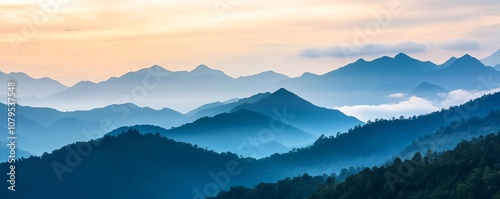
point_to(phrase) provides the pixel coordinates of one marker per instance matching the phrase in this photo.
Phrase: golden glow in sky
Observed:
(73, 40)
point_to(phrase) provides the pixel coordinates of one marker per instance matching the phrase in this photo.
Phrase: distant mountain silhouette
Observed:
(267, 79)
(465, 67)
(357, 83)
(205, 70)
(157, 87)
(497, 67)
(448, 63)
(301, 113)
(211, 110)
(369, 82)
(397, 67)
(151, 166)
(492, 60)
(45, 129)
(363, 82)
(31, 88)
(428, 90)
(203, 107)
(239, 130)
(465, 63)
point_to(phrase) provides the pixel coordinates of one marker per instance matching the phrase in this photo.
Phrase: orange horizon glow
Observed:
(76, 40)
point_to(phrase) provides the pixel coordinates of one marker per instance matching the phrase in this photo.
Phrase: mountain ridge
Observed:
(301, 113)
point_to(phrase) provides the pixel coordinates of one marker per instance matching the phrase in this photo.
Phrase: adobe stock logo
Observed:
(33, 22)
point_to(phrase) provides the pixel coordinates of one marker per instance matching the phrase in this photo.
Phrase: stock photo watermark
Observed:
(223, 7)
(34, 21)
(12, 134)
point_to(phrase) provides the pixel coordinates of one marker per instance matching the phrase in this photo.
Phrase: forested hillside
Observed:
(471, 170)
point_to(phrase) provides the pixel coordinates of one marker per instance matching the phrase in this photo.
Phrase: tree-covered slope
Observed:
(471, 170)
(130, 165)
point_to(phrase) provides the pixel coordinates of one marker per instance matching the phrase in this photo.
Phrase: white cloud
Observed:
(396, 95)
(460, 96)
(412, 105)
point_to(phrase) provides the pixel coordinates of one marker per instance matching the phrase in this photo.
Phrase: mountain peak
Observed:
(204, 69)
(466, 62)
(360, 60)
(448, 62)
(154, 68)
(157, 67)
(493, 59)
(468, 59)
(282, 91)
(267, 75)
(426, 86)
(402, 56)
(467, 56)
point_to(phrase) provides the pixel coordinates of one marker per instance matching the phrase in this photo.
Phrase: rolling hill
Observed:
(298, 112)
(243, 132)
(45, 129)
(29, 88)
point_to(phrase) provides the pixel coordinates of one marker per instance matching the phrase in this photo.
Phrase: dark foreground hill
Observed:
(471, 170)
(129, 165)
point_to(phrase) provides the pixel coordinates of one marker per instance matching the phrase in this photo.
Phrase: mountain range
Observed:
(370, 82)
(298, 112)
(157, 88)
(32, 88)
(291, 120)
(276, 123)
(45, 129)
(152, 166)
(375, 142)
(357, 83)
(492, 60)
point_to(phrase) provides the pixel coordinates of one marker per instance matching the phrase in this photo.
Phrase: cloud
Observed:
(460, 45)
(413, 105)
(460, 96)
(396, 95)
(344, 50)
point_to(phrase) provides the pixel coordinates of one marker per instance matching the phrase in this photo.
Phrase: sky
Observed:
(74, 40)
